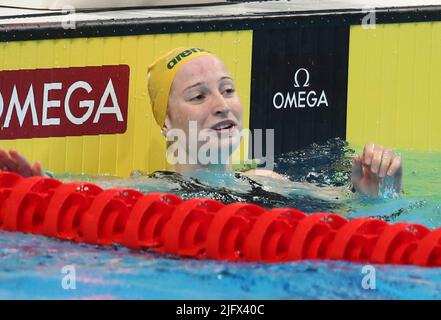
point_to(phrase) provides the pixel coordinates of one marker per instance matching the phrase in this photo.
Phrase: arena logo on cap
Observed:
(63, 102)
(301, 98)
(172, 63)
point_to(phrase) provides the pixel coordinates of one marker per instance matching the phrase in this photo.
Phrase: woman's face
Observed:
(204, 92)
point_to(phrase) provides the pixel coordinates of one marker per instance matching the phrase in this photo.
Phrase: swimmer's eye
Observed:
(198, 98)
(229, 92)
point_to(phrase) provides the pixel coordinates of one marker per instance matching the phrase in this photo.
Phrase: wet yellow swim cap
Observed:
(161, 74)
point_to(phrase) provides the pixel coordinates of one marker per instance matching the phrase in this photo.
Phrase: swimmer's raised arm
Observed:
(15, 162)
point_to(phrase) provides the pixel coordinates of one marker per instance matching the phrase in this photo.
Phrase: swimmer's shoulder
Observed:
(265, 173)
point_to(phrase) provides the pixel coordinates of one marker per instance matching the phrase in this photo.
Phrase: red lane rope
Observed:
(205, 228)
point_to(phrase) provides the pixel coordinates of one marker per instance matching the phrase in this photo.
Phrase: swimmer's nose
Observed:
(220, 105)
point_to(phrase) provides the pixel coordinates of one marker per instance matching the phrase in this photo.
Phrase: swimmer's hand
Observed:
(370, 169)
(15, 162)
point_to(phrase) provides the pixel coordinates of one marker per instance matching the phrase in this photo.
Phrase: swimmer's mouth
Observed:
(224, 125)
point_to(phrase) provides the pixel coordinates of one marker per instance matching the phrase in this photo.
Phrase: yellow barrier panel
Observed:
(142, 147)
(394, 95)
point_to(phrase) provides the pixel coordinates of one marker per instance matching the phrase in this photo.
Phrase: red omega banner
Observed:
(64, 102)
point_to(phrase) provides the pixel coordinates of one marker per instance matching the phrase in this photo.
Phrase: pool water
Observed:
(31, 266)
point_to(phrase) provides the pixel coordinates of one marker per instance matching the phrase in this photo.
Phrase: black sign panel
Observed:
(299, 84)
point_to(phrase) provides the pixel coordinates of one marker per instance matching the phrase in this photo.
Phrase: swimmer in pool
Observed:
(192, 86)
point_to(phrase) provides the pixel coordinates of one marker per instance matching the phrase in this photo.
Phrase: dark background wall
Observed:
(277, 55)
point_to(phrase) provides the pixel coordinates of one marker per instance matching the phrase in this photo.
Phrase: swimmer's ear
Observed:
(166, 126)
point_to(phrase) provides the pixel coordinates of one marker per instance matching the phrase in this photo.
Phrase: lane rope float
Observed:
(205, 228)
